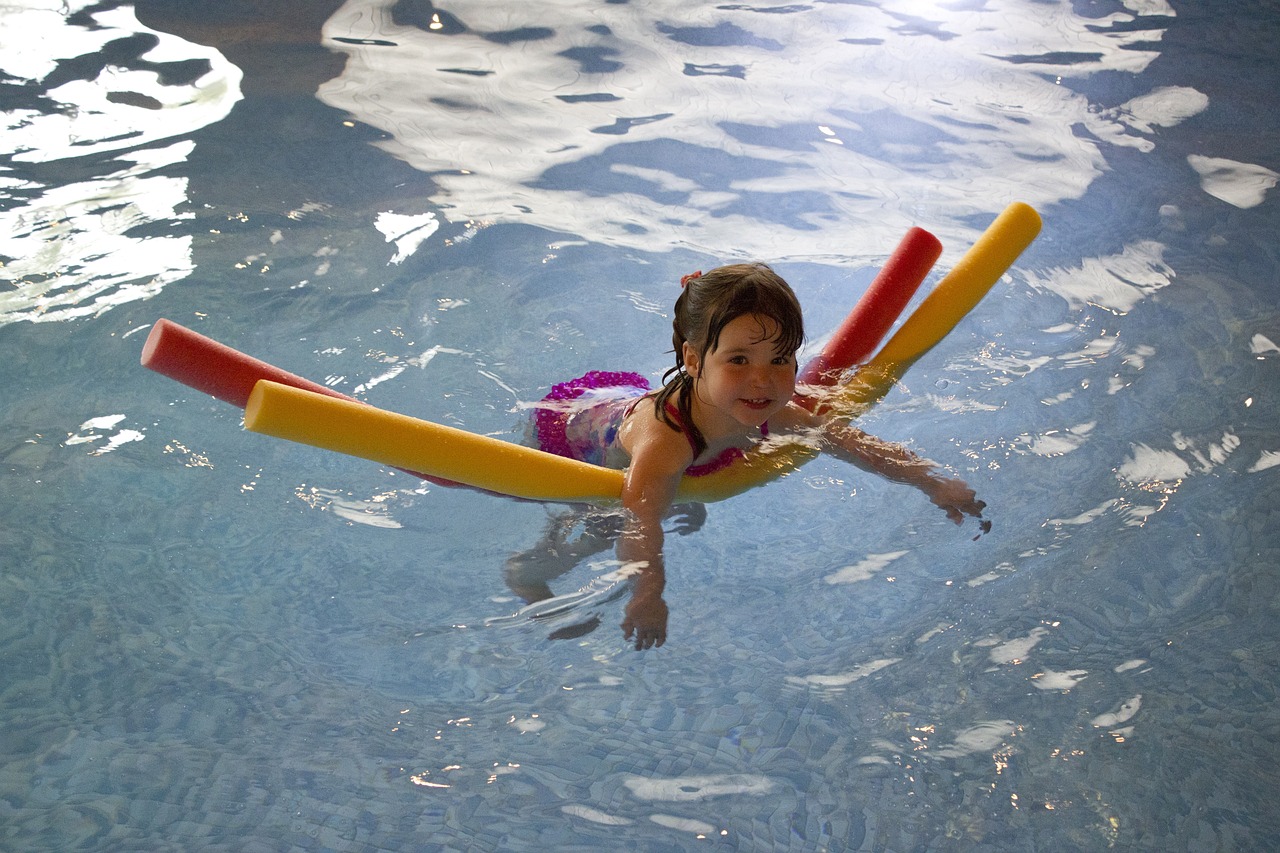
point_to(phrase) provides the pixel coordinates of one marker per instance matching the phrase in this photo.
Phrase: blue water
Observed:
(214, 640)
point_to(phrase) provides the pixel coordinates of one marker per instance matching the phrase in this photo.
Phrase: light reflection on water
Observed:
(216, 637)
(107, 86)
(621, 123)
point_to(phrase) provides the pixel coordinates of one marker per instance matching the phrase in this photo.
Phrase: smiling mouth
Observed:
(756, 404)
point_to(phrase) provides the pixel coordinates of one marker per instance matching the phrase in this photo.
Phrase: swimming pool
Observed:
(214, 640)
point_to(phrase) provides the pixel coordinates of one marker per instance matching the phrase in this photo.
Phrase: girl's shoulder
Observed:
(644, 419)
(644, 432)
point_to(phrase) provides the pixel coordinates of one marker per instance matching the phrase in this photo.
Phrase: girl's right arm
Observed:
(659, 456)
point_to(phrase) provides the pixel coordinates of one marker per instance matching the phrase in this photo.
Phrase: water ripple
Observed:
(117, 91)
(709, 134)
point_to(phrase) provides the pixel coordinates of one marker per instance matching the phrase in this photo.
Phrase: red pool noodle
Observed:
(886, 297)
(222, 372)
(216, 369)
(229, 375)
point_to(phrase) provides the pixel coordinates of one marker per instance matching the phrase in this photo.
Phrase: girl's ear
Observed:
(690, 357)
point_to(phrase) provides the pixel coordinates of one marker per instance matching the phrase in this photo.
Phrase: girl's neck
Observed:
(719, 429)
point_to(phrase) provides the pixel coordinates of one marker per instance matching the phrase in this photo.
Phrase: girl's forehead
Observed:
(749, 329)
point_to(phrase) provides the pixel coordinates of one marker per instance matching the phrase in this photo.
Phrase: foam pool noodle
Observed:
(224, 373)
(425, 447)
(954, 296)
(870, 320)
(216, 369)
(436, 451)
(293, 408)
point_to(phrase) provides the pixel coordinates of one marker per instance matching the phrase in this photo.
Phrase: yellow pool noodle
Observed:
(511, 469)
(434, 449)
(953, 297)
(760, 465)
(448, 453)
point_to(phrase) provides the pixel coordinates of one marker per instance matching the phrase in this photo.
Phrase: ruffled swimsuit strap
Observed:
(722, 460)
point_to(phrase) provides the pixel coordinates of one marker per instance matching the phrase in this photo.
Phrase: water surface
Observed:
(215, 640)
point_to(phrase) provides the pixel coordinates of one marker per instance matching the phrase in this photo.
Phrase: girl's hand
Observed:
(687, 518)
(647, 620)
(956, 499)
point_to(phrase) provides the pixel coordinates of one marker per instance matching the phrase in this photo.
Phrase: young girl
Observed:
(736, 333)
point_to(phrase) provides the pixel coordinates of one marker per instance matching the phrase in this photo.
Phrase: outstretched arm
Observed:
(889, 460)
(895, 462)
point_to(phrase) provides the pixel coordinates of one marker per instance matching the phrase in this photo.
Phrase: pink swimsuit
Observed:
(589, 432)
(723, 460)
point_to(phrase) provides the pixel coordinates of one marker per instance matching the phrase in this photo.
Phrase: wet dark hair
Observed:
(708, 304)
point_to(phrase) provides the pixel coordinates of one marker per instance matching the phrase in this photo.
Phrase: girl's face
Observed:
(745, 380)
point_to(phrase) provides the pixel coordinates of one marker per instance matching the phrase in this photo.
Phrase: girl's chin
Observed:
(753, 414)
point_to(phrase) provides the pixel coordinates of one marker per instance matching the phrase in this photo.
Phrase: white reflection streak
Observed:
(1085, 517)
(488, 121)
(1126, 712)
(683, 824)
(95, 428)
(374, 512)
(1058, 443)
(69, 245)
(1116, 283)
(1260, 344)
(1015, 651)
(1148, 466)
(1242, 185)
(866, 569)
(595, 815)
(983, 737)
(1150, 7)
(399, 365)
(688, 788)
(1268, 459)
(407, 231)
(1151, 467)
(843, 679)
(72, 253)
(1163, 107)
(1053, 680)
(34, 38)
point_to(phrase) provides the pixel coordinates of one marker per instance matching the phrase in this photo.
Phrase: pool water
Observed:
(216, 640)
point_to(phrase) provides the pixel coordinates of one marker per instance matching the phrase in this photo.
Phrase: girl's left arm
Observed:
(893, 462)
